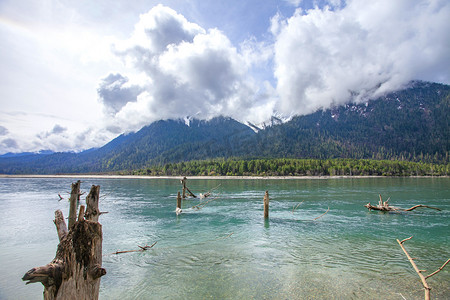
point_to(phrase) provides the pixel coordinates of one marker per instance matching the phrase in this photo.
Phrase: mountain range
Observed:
(411, 124)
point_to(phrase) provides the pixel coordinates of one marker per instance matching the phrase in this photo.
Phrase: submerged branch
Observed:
(143, 248)
(202, 204)
(295, 207)
(322, 214)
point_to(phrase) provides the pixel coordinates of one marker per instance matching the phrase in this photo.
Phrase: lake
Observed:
(227, 250)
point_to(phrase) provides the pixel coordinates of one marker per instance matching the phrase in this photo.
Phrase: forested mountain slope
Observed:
(412, 124)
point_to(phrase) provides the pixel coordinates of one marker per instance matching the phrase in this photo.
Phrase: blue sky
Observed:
(75, 74)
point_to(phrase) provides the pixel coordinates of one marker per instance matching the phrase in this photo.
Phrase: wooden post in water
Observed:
(185, 188)
(179, 200)
(76, 270)
(266, 205)
(183, 182)
(74, 199)
(178, 209)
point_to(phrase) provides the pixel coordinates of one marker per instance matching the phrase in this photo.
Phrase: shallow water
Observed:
(226, 250)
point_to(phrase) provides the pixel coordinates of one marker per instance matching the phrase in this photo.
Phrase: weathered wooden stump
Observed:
(266, 205)
(76, 270)
(178, 209)
(185, 188)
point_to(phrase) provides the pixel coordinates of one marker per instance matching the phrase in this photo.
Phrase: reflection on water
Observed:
(227, 250)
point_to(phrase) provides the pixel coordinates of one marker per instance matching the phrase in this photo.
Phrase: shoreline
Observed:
(201, 177)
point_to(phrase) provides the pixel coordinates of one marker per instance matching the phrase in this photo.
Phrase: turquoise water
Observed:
(226, 250)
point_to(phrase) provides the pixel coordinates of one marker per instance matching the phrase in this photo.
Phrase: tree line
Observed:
(295, 167)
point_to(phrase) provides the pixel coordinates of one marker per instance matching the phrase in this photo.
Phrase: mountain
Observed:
(411, 124)
(42, 152)
(159, 142)
(175, 140)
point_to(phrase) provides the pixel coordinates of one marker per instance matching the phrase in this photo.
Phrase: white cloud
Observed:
(189, 70)
(325, 57)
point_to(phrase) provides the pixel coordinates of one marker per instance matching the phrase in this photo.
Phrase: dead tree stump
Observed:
(76, 270)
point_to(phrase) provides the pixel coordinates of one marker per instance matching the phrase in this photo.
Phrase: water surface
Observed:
(226, 250)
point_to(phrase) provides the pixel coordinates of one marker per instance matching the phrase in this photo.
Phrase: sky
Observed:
(76, 74)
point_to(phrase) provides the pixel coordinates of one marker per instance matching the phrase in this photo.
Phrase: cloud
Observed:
(157, 29)
(115, 91)
(3, 130)
(58, 129)
(332, 54)
(9, 144)
(188, 71)
(327, 57)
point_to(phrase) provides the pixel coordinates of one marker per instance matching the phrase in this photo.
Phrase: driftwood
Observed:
(75, 271)
(179, 210)
(384, 206)
(208, 193)
(185, 188)
(202, 204)
(143, 248)
(296, 206)
(419, 272)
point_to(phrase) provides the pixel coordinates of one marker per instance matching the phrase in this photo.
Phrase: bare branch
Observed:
(407, 240)
(422, 278)
(420, 205)
(438, 270)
